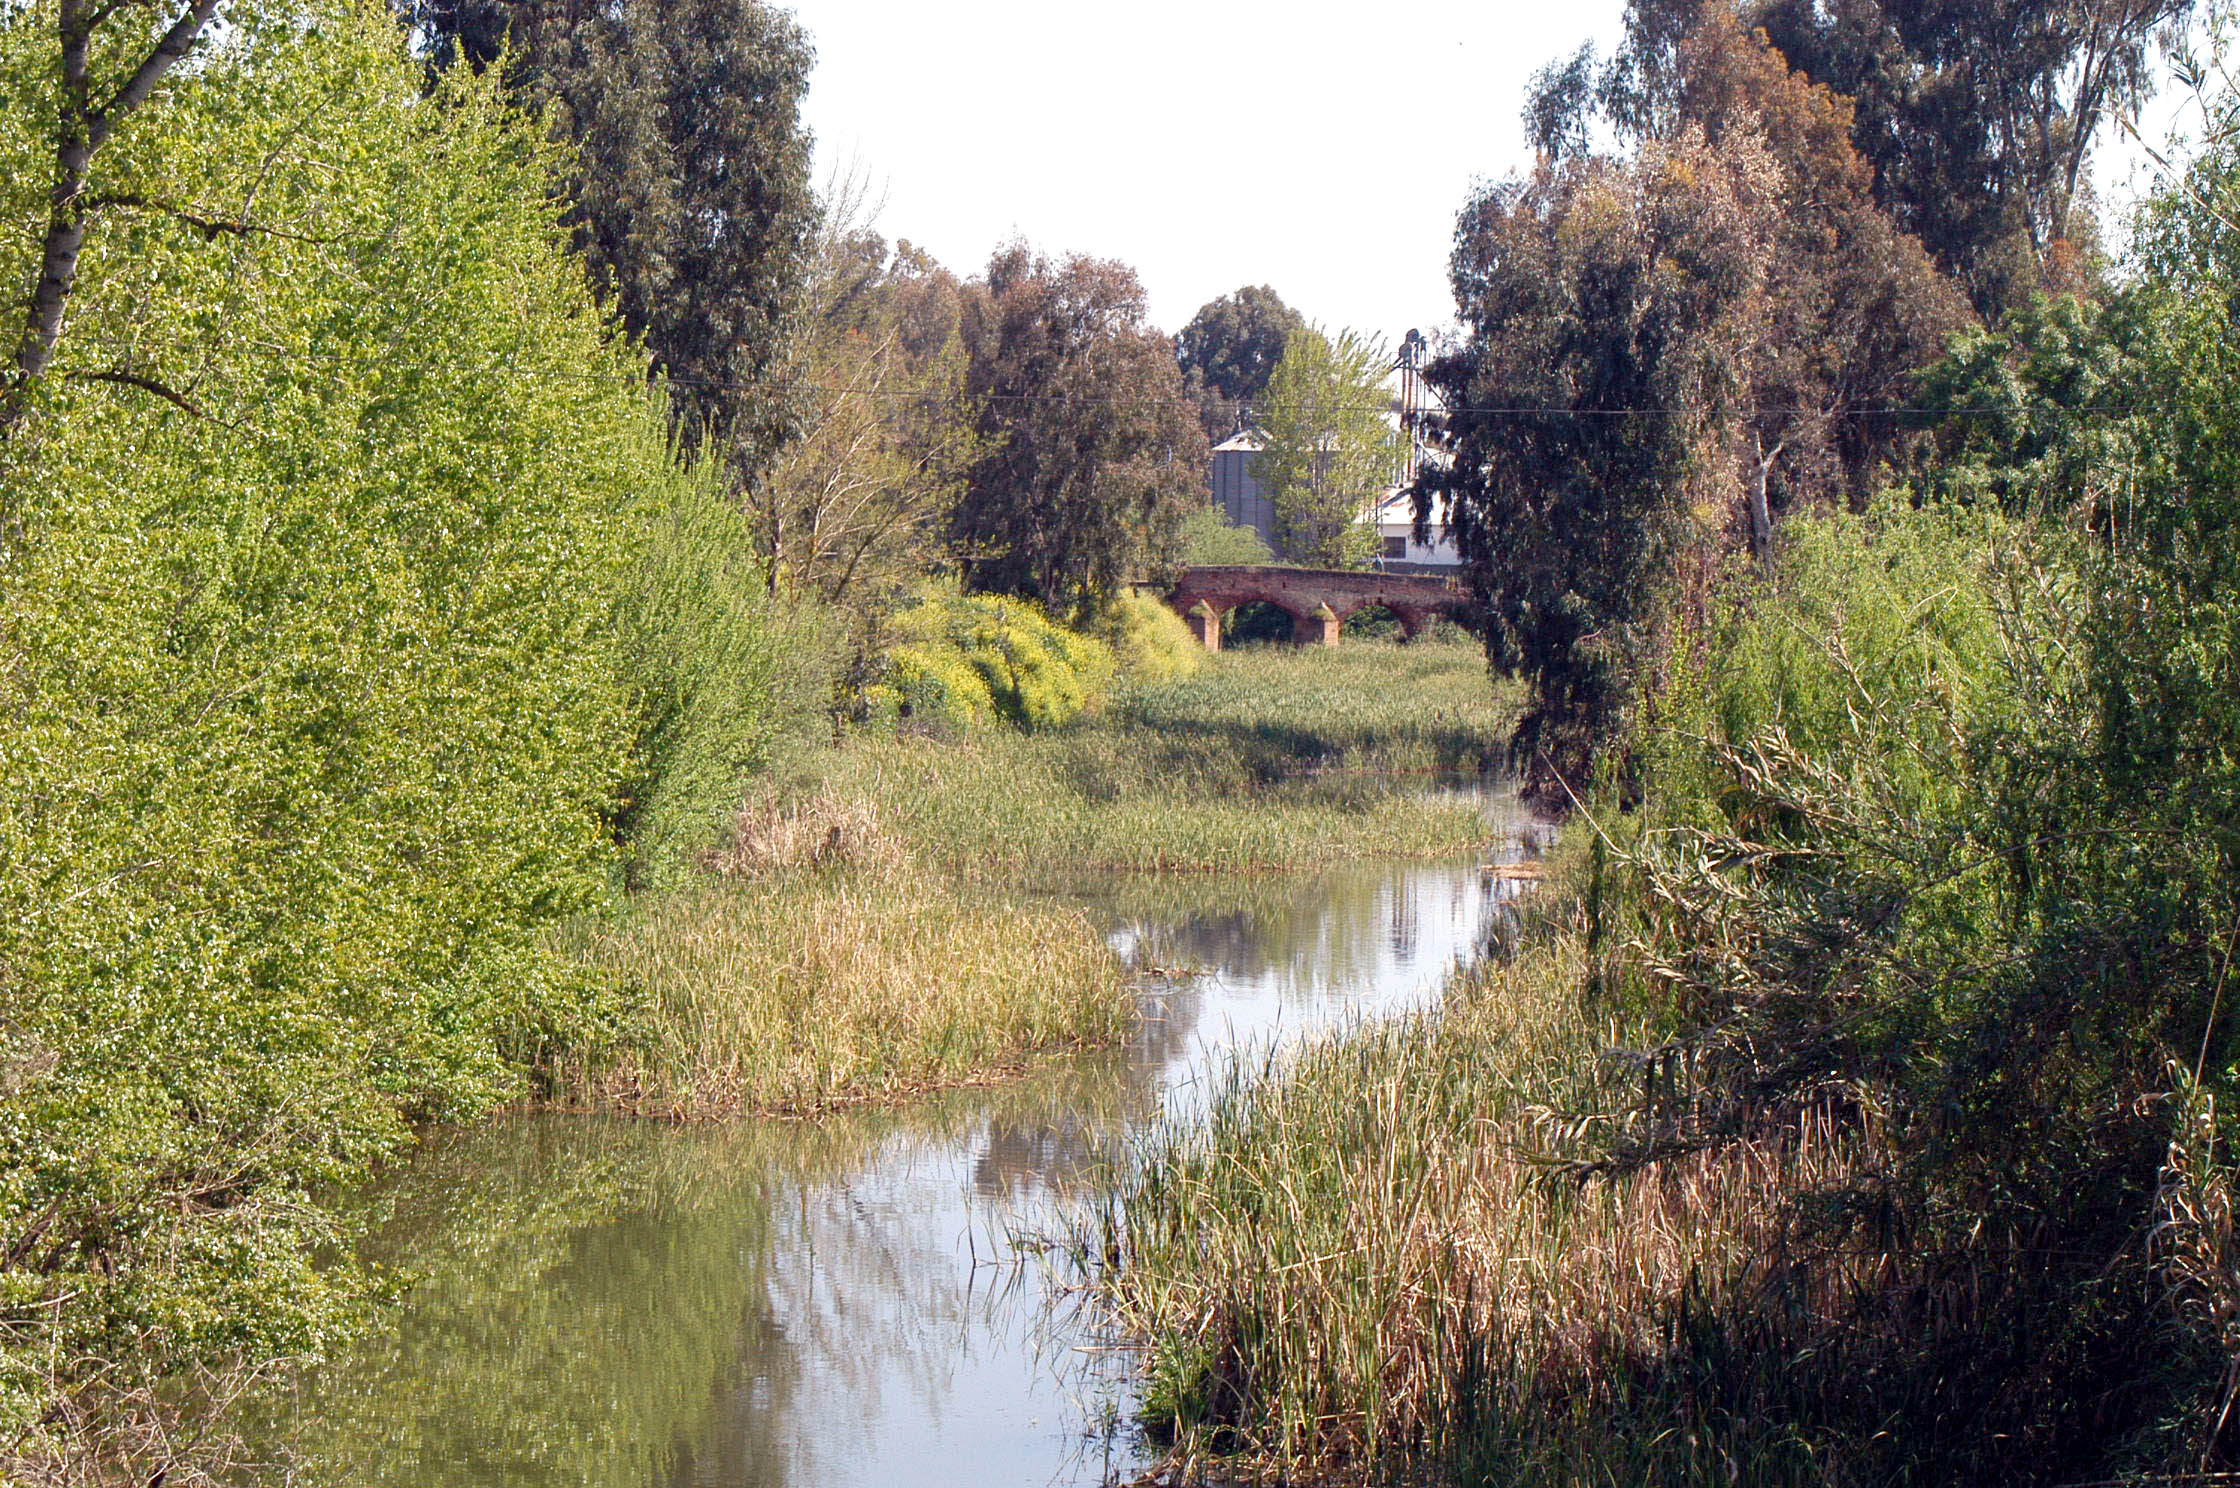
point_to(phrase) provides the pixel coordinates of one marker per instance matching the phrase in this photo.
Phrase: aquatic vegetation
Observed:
(801, 989)
(1265, 759)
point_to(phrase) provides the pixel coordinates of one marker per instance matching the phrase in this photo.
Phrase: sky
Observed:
(1320, 149)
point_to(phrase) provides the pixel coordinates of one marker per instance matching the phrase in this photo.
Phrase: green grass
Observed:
(1268, 759)
(849, 945)
(1356, 706)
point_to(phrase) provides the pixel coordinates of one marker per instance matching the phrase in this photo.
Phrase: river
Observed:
(593, 1303)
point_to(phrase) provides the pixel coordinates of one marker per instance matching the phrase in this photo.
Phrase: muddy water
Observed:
(610, 1304)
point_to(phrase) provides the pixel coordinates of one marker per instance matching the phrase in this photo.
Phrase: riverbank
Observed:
(855, 1301)
(819, 988)
(857, 938)
(1268, 759)
(1840, 1111)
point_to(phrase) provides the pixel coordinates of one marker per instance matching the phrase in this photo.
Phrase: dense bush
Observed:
(958, 661)
(1148, 639)
(345, 627)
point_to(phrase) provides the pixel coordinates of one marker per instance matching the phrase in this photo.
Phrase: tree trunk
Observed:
(80, 132)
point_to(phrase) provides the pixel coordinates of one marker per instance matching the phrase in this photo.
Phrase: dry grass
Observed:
(823, 830)
(799, 990)
(1385, 1258)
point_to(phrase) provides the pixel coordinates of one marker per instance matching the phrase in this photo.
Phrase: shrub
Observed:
(1150, 641)
(958, 661)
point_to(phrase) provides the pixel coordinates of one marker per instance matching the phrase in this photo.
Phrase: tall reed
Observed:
(814, 988)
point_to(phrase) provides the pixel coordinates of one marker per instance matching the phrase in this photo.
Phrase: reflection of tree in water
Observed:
(875, 1294)
(1350, 930)
(605, 1304)
(578, 1285)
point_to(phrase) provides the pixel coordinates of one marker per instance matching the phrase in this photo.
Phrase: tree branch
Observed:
(212, 228)
(177, 399)
(80, 131)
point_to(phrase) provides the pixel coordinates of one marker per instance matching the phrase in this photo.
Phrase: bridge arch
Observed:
(1317, 600)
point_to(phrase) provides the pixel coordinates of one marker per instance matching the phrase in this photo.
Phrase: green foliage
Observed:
(958, 661)
(323, 677)
(2030, 415)
(1977, 120)
(1262, 760)
(1209, 538)
(1229, 350)
(1149, 640)
(1327, 453)
(1586, 438)
(1088, 458)
(712, 673)
(686, 181)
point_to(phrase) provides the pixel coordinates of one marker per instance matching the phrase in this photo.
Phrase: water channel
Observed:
(788, 1304)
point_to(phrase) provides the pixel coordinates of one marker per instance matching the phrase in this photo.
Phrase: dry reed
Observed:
(797, 990)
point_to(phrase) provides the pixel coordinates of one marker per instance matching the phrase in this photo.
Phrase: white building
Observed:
(1395, 516)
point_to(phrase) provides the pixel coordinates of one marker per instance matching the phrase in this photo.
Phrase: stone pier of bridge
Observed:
(1317, 600)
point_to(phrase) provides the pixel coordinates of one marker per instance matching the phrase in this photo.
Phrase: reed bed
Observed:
(806, 988)
(1375, 1259)
(1402, 1254)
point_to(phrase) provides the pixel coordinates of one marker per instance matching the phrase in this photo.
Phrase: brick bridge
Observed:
(1317, 599)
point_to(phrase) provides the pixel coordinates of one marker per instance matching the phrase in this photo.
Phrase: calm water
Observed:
(758, 1304)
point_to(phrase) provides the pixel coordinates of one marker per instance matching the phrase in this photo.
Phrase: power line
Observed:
(630, 378)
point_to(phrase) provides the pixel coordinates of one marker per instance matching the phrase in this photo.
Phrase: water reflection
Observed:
(608, 1304)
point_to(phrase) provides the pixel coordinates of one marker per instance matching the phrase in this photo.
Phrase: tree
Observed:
(1976, 118)
(1327, 451)
(1852, 306)
(859, 502)
(1607, 310)
(2040, 420)
(1229, 350)
(689, 197)
(1091, 458)
(1210, 538)
(354, 601)
(109, 67)
(1758, 356)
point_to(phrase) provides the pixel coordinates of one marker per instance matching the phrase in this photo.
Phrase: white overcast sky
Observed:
(1322, 149)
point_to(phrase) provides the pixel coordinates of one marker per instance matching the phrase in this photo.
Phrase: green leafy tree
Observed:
(2033, 415)
(1328, 452)
(1090, 456)
(1588, 461)
(354, 608)
(688, 186)
(1208, 537)
(1764, 342)
(108, 63)
(1229, 350)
